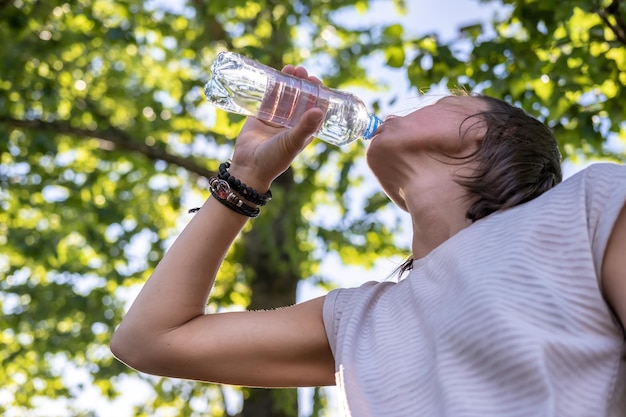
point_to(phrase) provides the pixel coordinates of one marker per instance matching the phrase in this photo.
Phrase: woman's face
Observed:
(440, 126)
(420, 143)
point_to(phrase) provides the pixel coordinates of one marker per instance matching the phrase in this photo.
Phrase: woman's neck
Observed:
(438, 210)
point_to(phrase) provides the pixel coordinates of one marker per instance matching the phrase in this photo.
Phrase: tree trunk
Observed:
(270, 403)
(272, 256)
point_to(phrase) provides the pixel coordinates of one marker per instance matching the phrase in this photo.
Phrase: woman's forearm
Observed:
(178, 289)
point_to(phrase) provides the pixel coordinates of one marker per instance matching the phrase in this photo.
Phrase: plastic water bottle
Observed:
(244, 86)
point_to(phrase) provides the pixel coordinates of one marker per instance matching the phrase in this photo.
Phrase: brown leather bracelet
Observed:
(221, 191)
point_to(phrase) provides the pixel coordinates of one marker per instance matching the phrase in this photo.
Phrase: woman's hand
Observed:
(264, 151)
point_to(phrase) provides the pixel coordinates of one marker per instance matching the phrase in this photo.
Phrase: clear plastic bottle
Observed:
(244, 86)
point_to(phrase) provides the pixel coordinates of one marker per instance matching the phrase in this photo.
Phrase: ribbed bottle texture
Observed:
(244, 86)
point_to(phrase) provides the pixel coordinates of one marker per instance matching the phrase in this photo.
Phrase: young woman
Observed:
(513, 303)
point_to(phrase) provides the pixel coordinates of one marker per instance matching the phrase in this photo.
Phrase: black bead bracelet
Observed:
(242, 189)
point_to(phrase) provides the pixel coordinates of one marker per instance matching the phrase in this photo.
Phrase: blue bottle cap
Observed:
(374, 123)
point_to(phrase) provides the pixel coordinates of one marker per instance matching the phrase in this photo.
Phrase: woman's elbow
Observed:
(144, 353)
(128, 348)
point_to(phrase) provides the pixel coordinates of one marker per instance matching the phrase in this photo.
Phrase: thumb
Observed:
(301, 134)
(310, 122)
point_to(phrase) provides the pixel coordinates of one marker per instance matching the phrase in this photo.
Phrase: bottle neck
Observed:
(374, 123)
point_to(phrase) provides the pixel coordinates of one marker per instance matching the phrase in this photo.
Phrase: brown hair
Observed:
(517, 160)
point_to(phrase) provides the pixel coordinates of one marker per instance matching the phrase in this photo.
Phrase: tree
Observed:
(106, 141)
(563, 61)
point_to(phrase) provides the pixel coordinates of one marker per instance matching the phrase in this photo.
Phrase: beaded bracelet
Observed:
(221, 191)
(242, 189)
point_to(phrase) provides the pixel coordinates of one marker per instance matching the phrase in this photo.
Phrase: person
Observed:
(513, 303)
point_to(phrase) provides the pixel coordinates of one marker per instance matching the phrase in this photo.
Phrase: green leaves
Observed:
(562, 61)
(106, 138)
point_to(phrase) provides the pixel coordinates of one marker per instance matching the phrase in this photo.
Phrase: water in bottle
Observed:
(244, 86)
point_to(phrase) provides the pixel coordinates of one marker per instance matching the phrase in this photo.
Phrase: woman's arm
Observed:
(166, 331)
(614, 268)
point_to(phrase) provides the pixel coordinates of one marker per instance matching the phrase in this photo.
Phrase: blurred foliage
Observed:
(105, 141)
(562, 60)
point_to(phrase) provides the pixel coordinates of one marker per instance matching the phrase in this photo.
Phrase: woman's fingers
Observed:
(315, 80)
(300, 72)
(289, 69)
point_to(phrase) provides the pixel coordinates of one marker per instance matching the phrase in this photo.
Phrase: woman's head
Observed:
(496, 152)
(504, 156)
(516, 160)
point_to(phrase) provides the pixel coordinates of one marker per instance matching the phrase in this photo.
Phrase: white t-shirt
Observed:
(506, 318)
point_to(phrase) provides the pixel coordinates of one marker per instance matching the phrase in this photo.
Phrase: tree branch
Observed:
(112, 136)
(619, 28)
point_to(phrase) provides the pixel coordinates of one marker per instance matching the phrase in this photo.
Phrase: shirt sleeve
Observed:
(606, 195)
(329, 314)
(339, 301)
